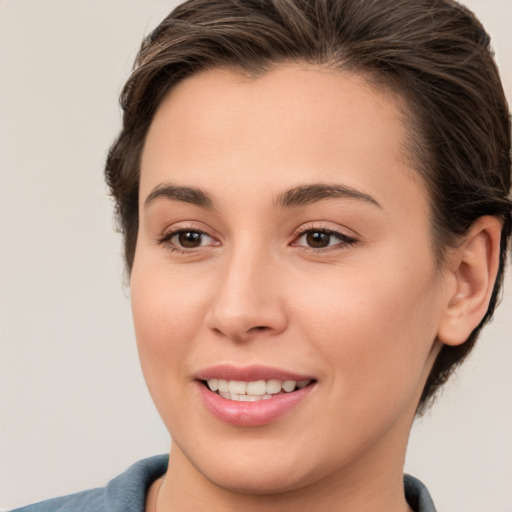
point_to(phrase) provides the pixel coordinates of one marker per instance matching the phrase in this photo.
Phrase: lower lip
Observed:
(252, 414)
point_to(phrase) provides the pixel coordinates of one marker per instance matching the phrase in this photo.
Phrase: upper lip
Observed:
(249, 373)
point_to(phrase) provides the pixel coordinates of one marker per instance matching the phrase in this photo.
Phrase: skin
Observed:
(364, 318)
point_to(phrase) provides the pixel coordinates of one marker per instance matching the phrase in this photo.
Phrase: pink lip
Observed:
(248, 373)
(250, 414)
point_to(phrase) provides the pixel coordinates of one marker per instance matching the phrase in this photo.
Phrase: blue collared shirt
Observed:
(127, 492)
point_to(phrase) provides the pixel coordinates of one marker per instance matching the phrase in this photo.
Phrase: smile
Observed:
(252, 396)
(253, 391)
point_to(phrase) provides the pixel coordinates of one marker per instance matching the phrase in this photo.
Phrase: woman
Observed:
(315, 203)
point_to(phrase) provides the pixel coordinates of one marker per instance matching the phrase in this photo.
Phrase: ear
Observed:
(471, 272)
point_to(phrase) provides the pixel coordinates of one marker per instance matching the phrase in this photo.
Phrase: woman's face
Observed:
(283, 237)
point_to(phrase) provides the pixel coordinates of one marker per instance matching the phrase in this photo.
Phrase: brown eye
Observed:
(189, 239)
(318, 239)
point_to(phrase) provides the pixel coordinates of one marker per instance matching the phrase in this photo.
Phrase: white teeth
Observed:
(257, 387)
(289, 385)
(273, 386)
(244, 398)
(237, 387)
(223, 386)
(253, 390)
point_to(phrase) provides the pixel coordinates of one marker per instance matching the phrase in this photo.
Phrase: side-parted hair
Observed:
(433, 54)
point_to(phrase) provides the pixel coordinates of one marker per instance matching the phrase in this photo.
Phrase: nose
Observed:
(248, 300)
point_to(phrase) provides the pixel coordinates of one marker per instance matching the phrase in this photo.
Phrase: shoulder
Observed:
(90, 501)
(417, 495)
(125, 493)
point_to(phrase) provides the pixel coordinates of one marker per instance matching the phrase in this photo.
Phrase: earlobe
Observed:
(472, 269)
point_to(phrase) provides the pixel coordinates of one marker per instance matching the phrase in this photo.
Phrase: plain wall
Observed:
(74, 410)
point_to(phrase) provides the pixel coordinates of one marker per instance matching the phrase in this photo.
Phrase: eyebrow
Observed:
(307, 194)
(190, 195)
(298, 196)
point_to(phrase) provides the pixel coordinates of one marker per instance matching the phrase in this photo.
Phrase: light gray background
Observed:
(73, 404)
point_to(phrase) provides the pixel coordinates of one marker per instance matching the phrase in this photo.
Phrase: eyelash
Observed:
(166, 239)
(344, 240)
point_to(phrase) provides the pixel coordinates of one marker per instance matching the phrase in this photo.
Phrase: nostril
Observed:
(259, 328)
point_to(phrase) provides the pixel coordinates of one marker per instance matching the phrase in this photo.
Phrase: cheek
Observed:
(166, 306)
(167, 317)
(374, 331)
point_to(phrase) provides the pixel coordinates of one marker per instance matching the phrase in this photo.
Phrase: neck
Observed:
(358, 488)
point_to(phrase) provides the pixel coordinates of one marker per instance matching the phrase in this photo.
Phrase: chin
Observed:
(252, 481)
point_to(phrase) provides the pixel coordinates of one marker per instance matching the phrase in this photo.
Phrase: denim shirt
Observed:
(127, 492)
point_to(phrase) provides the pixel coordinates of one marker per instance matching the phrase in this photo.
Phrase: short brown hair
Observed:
(434, 53)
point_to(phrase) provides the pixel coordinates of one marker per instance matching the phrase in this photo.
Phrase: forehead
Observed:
(308, 101)
(291, 125)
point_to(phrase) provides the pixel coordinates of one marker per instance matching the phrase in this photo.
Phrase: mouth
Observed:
(254, 396)
(254, 391)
